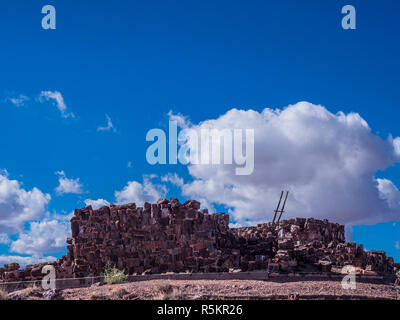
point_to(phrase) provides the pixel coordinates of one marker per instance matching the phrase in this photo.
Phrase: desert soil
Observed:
(232, 289)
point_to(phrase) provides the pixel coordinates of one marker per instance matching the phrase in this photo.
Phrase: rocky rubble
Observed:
(172, 237)
(309, 242)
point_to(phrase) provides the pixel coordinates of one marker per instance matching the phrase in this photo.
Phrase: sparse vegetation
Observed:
(31, 292)
(95, 296)
(397, 282)
(168, 292)
(113, 275)
(165, 288)
(117, 293)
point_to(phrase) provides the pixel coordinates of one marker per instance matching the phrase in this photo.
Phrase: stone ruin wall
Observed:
(162, 237)
(174, 237)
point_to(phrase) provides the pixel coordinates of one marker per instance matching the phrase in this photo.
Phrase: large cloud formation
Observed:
(327, 161)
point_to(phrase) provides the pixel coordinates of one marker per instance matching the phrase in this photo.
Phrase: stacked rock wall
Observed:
(167, 236)
(174, 237)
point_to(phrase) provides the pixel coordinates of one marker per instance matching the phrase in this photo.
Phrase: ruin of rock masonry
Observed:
(172, 237)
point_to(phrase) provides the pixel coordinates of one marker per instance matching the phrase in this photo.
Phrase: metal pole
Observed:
(277, 208)
(284, 203)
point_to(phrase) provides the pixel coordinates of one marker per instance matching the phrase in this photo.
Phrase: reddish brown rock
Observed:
(172, 237)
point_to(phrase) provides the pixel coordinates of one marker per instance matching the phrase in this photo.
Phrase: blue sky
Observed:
(135, 61)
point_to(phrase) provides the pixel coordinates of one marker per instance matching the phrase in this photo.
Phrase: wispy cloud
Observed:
(397, 245)
(68, 185)
(58, 100)
(108, 127)
(182, 121)
(18, 100)
(173, 178)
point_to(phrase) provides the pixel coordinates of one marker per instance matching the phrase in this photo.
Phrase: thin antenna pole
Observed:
(284, 203)
(277, 208)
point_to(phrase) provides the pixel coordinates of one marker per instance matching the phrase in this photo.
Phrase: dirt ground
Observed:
(282, 289)
(232, 289)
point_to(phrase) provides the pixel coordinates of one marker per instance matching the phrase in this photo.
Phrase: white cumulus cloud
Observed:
(46, 236)
(141, 192)
(327, 161)
(68, 185)
(396, 146)
(24, 261)
(389, 192)
(96, 204)
(18, 205)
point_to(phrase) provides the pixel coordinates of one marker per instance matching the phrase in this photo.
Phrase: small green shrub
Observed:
(398, 274)
(113, 275)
